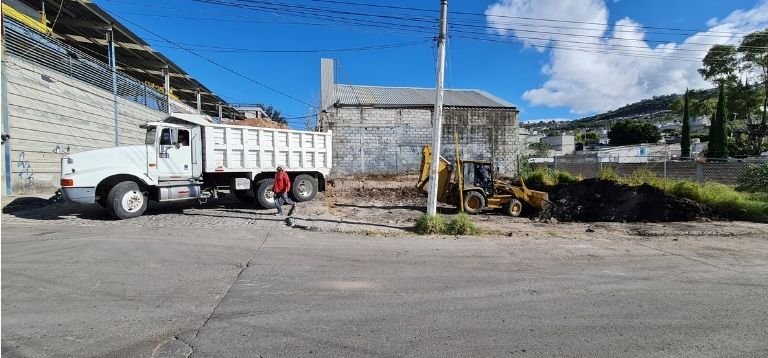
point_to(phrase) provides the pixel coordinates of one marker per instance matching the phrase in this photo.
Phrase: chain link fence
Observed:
(722, 171)
(32, 46)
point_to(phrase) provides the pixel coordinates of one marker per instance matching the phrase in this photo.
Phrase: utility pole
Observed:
(437, 120)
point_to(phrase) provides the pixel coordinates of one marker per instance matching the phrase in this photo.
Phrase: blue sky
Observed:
(560, 69)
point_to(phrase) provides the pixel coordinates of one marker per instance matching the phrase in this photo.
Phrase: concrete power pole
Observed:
(438, 112)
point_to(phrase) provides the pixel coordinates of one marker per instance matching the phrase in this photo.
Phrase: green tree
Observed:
(754, 47)
(744, 101)
(633, 132)
(717, 138)
(720, 65)
(587, 138)
(540, 149)
(685, 142)
(274, 114)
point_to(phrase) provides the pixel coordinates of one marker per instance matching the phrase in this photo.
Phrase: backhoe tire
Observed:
(474, 202)
(514, 208)
(264, 195)
(125, 201)
(304, 188)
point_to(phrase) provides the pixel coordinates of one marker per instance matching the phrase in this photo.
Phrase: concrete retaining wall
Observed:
(51, 114)
(384, 141)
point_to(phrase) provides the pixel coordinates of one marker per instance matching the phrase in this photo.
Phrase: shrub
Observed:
(754, 179)
(725, 199)
(430, 225)
(645, 176)
(608, 173)
(462, 225)
(564, 177)
(541, 177)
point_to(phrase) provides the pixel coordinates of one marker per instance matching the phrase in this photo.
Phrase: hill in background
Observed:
(654, 110)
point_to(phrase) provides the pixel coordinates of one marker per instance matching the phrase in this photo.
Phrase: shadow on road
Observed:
(37, 208)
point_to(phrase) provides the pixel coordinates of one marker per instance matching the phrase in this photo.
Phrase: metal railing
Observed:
(32, 46)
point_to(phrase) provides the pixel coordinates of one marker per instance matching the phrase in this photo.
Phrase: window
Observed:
(184, 138)
(151, 133)
(165, 137)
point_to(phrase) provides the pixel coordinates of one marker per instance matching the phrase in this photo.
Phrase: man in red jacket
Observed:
(281, 187)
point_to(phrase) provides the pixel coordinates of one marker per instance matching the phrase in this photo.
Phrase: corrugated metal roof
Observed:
(352, 95)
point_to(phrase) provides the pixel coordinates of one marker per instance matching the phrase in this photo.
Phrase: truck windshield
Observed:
(151, 134)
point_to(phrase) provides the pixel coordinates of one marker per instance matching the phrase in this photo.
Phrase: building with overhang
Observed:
(62, 95)
(382, 130)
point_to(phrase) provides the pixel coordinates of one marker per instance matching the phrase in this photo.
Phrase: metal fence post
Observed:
(113, 67)
(699, 172)
(5, 119)
(167, 87)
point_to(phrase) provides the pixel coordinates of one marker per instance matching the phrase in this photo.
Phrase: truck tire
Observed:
(515, 208)
(474, 202)
(245, 196)
(264, 195)
(125, 201)
(304, 188)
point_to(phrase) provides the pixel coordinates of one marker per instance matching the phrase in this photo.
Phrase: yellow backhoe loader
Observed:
(470, 185)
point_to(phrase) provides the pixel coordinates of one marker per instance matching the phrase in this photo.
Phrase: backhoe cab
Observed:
(477, 187)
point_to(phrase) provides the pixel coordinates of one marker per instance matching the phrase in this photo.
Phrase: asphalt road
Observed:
(105, 289)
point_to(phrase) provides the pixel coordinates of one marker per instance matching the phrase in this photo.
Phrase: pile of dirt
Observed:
(605, 200)
(259, 122)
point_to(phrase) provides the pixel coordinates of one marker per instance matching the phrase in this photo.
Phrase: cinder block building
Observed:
(382, 130)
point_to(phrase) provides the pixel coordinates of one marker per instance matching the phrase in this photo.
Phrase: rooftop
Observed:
(353, 95)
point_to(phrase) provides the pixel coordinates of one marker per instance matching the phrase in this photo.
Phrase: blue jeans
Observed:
(280, 199)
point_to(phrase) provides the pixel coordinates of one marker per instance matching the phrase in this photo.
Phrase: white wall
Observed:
(48, 110)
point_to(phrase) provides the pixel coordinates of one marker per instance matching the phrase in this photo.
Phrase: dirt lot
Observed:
(391, 207)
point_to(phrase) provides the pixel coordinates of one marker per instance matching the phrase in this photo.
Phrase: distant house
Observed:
(563, 144)
(382, 130)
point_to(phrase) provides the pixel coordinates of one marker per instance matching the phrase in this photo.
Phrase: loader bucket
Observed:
(538, 199)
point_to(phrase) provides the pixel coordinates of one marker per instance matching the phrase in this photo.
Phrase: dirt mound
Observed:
(258, 122)
(604, 200)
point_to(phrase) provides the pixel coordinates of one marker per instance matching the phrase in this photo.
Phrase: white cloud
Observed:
(606, 67)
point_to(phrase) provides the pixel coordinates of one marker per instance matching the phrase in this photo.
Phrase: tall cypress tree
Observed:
(717, 139)
(685, 143)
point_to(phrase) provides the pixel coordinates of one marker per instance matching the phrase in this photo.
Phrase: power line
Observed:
(214, 62)
(434, 11)
(233, 49)
(281, 7)
(429, 28)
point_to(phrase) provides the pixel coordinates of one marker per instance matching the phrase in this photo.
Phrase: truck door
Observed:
(174, 155)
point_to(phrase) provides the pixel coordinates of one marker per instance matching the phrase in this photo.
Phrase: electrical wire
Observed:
(214, 62)
(250, 50)
(360, 22)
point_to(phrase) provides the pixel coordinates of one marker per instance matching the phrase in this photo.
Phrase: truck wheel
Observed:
(304, 188)
(515, 208)
(125, 201)
(474, 202)
(264, 195)
(245, 196)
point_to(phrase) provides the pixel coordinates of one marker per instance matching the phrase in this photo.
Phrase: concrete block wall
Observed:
(381, 141)
(51, 114)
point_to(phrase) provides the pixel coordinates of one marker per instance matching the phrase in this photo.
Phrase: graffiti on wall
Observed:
(26, 173)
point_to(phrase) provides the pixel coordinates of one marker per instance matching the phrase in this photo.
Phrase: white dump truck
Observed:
(187, 157)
